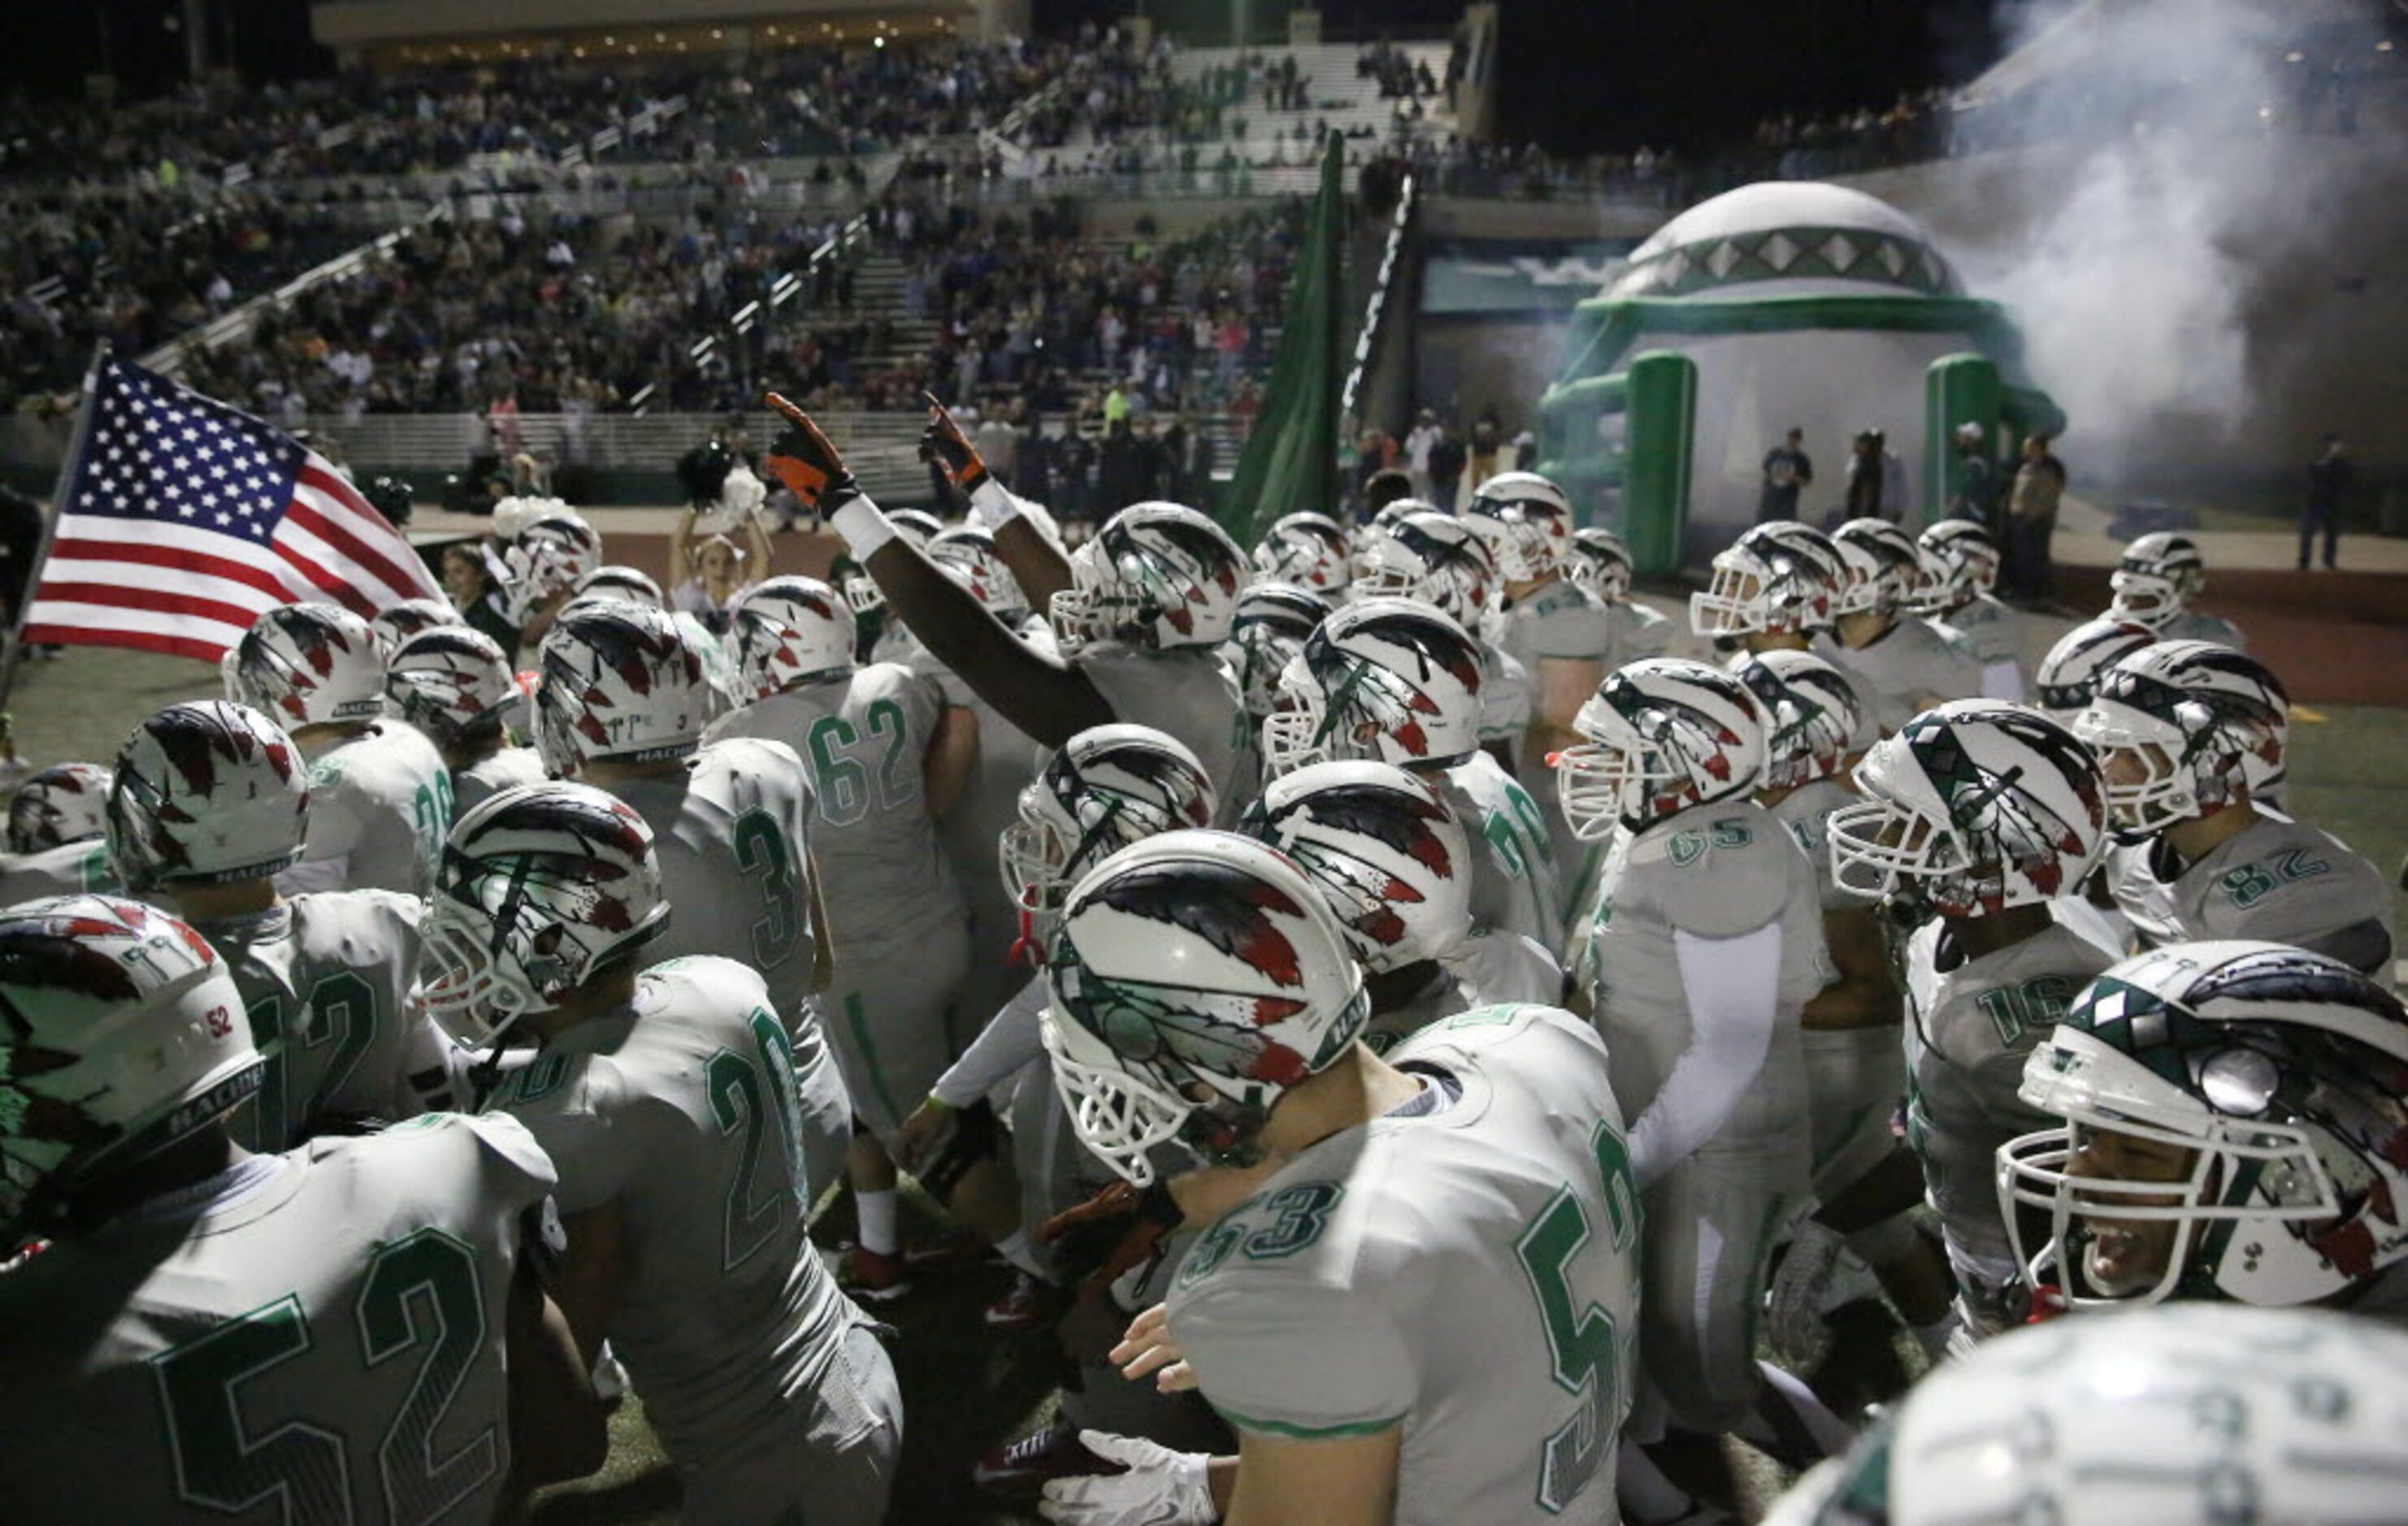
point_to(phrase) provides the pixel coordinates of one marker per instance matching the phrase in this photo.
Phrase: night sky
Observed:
(1580, 73)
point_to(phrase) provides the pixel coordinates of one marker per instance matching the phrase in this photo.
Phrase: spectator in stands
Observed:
(2026, 572)
(1787, 471)
(1447, 460)
(1121, 469)
(1418, 441)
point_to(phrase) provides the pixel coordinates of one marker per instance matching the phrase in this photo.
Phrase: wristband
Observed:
(863, 524)
(993, 505)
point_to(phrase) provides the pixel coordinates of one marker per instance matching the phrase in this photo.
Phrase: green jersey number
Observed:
(1583, 1341)
(844, 777)
(339, 1024)
(430, 810)
(421, 1295)
(762, 850)
(755, 1209)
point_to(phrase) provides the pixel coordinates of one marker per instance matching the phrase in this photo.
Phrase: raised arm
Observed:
(1036, 564)
(1044, 696)
(681, 548)
(758, 538)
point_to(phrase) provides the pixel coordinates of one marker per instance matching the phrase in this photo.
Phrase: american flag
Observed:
(183, 519)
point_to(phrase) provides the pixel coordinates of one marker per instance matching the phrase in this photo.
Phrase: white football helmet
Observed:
(2233, 1118)
(2068, 677)
(970, 554)
(308, 665)
(1435, 558)
(1384, 852)
(393, 625)
(1811, 710)
(1526, 521)
(1664, 733)
(1780, 577)
(546, 560)
(2183, 1415)
(512, 515)
(206, 794)
(2158, 576)
(1959, 561)
(2187, 717)
(786, 631)
(1377, 525)
(125, 1033)
(1973, 807)
(1109, 787)
(621, 681)
(615, 581)
(1881, 569)
(65, 802)
(1194, 962)
(861, 594)
(1308, 550)
(452, 683)
(1601, 559)
(1272, 621)
(540, 888)
(1386, 678)
(1160, 576)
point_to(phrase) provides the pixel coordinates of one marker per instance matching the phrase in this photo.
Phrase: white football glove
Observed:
(1161, 1488)
(1793, 1312)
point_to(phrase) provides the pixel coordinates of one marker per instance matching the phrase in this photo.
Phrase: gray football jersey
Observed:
(69, 869)
(1008, 758)
(863, 735)
(2285, 882)
(1916, 665)
(2143, 900)
(1969, 1027)
(1806, 811)
(1996, 633)
(1504, 698)
(1561, 620)
(1486, 969)
(488, 776)
(379, 805)
(732, 832)
(1637, 632)
(681, 1109)
(1466, 1274)
(1513, 884)
(325, 980)
(319, 1340)
(1191, 694)
(1715, 871)
(2197, 625)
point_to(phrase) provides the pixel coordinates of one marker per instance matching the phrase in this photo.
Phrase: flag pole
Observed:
(50, 532)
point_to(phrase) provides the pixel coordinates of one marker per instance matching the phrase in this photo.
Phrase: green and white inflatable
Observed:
(1782, 303)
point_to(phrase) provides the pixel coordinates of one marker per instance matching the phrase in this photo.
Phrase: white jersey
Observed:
(1972, 1024)
(1559, 620)
(1996, 633)
(1712, 871)
(1462, 1269)
(1488, 969)
(320, 1338)
(1505, 700)
(1637, 632)
(2279, 880)
(1913, 666)
(1806, 811)
(1514, 883)
(325, 979)
(69, 869)
(681, 1109)
(380, 805)
(863, 736)
(489, 776)
(1190, 693)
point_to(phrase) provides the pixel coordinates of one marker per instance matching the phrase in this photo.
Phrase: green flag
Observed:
(1290, 461)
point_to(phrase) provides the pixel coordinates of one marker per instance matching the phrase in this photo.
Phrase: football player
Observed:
(453, 684)
(2067, 678)
(1701, 948)
(1864, 1183)
(1602, 563)
(1436, 557)
(356, 1330)
(2178, 727)
(209, 802)
(1139, 612)
(1310, 551)
(2232, 1114)
(1268, 629)
(665, 1097)
(542, 565)
(1414, 1293)
(885, 764)
(621, 706)
(1395, 680)
(398, 623)
(54, 835)
(1898, 662)
(2306, 1431)
(380, 795)
(2156, 583)
(1961, 566)
(1978, 820)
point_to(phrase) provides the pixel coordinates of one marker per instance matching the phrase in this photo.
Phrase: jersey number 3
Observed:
(1583, 1342)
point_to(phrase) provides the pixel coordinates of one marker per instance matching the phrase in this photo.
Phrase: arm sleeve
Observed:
(1293, 1358)
(1010, 1041)
(1732, 986)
